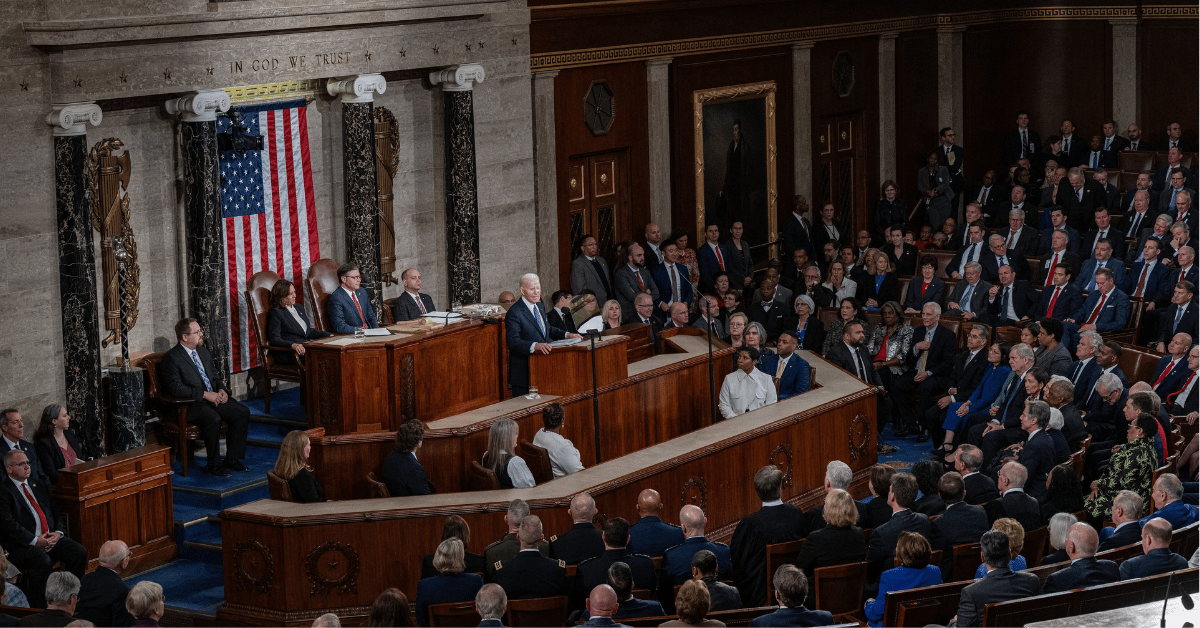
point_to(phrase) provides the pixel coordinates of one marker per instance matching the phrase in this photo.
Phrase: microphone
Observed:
(1184, 598)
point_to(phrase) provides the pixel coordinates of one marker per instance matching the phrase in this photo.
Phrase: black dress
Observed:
(305, 489)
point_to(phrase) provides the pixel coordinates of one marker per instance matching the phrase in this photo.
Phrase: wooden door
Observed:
(841, 172)
(598, 202)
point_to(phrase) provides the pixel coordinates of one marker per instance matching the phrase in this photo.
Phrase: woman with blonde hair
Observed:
(501, 457)
(1016, 542)
(451, 584)
(838, 543)
(145, 603)
(292, 467)
(737, 329)
(611, 312)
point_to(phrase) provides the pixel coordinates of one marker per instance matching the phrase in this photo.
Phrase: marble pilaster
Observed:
(77, 271)
(887, 106)
(545, 175)
(802, 158)
(127, 389)
(1125, 85)
(203, 219)
(658, 124)
(950, 78)
(358, 178)
(462, 199)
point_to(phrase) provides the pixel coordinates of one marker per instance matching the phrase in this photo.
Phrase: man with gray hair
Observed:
(583, 540)
(1037, 455)
(929, 366)
(1126, 510)
(1167, 495)
(508, 546)
(526, 331)
(1086, 369)
(1014, 502)
(1108, 401)
(1000, 584)
(1004, 429)
(678, 560)
(491, 603)
(837, 476)
(775, 522)
(529, 574)
(980, 488)
(329, 620)
(102, 592)
(1085, 571)
(62, 594)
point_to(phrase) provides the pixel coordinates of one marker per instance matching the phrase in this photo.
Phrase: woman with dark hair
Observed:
(687, 257)
(848, 311)
(927, 473)
(390, 609)
(877, 511)
(452, 584)
(1131, 468)
(926, 287)
(890, 342)
(1063, 492)
(889, 210)
(56, 445)
(287, 325)
(913, 551)
(959, 414)
(402, 473)
(1029, 336)
(721, 287)
(292, 467)
(455, 527)
(1036, 379)
(1051, 153)
(880, 284)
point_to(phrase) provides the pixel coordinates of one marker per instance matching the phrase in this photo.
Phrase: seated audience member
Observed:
(402, 473)
(808, 330)
(412, 303)
(292, 467)
(1131, 468)
(999, 585)
(506, 299)
(1157, 556)
(960, 414)
(837, 476)
(769, 308)
(455, 527)
(602, 607)
(791, 589)
(837, 543)
(1014, 502)
(882, 549)
(12, 431)
(650, 535)
(287, 325)
(391, 609)
(56, 444)
(784, 365)
(564, 458)
(188, 371)
(12, 595)
(583, 540)
(914, 572)
(1037, 455)
(747, 388)
(452, 584)
(1085, 570)
(775, 522)
(146, 603)
(678, 316)
(1060, 395)
(1056, 359)
(620, 578)
(704, 569)
(1167, 494)
(491, 603)
(102, 593)
(349, 306)
(927, 473)
(1058, 527)
(501, 457)
(62, 594)
(692, 604)
(1126, 530)
(328, 620)
(848, 310)
(678, 560)
(612, 315)
(980, 488)
(925, 287)
(960, 523)
(529, 574)
(31, 529)
(930, 363)
(594, 571)
(1063, 492)
(1181, 315)
(756, 338)
(879, 284)
(1016, 543)
(508, 546)
(877, 510)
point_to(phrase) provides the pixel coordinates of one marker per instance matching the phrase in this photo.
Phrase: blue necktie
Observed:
(200, 367)
(1173, 197)
(537, 314)
(1178, 317)
(965, 303)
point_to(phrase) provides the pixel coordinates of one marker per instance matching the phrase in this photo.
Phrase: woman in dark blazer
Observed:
(287, 325)
(925, 287)
(838, 543)
(889, 210)
(292, 467)
(880, 285)
(56, 445)
(809, 330)
(451, 584)
(455, 527)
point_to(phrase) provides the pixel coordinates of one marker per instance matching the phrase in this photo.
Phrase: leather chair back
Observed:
(542, 611)
(1035, 545)
(258, 299)
(966, 561)
(1135, 161)
(378, 488)
(538, 461)
(482, 478)
(278, 487)
(839, 589)
(777, 555)
(320, 282)
(454, 614)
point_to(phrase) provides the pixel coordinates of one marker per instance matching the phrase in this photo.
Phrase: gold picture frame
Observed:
(765, 92)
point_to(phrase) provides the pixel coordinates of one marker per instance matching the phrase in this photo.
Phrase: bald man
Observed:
(583, 540)
(529, 574)
(651, 535)
(1085, 571)
(1157, 556)
(601, 606)
(102, 592)
(678, 560)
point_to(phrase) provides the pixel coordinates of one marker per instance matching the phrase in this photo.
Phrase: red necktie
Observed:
(1053, 265)
(36, 508)
(1012, 234)
(641, 285)
(1053, 300)
(1142, 280)
(359, 308)
(417, 298)
(1170, 367)
(720, 259)
(1175, 395)
(1096, 312)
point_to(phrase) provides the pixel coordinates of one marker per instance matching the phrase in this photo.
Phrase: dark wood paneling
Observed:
(916, 108)
(1168, 74)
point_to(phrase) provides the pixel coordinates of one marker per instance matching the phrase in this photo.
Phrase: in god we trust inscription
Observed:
(292, 62)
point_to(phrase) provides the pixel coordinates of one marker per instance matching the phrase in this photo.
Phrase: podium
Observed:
(125, 496)
(568, 370)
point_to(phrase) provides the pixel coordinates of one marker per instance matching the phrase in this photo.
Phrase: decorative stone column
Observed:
(887, 106)
(462, 202)
(802, 158)
(77, 269)
(950, 81)
(1125, 85)
(203, 219)
(658, 109)
(545, 169)
(358, 177)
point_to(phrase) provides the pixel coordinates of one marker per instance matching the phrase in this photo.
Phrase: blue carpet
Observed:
(285, 405)
(188, 584)
(910, 450)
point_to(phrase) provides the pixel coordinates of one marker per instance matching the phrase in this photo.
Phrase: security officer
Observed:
(650, 535)
(529, 574)
(583, 540)
(506, 548)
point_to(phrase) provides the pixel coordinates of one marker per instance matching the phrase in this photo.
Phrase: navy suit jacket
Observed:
(1069, 257)
(102, 599)
(1073, 241)
(999, 585)
(660, 276)
(798, 616)
(1086, 381)
(1083, 573)
(1038, 457)
(941, 351)
(405, 308)
(1024, 300)
(1152, 563)
(404, 476)
(1174, 379)
(652, 536)
(707, 260)
(960, 523)
(991, 265)
(1088, 271)
(678, 560)
(1027, 243)
(1155, 280)
(16, 519)
(933, 294)
(795, 378)
(521, 331)
(1069, 301)
(1186, 324)
(343, 316)
(1115, 237)
(1113, 317)
(1128, 534)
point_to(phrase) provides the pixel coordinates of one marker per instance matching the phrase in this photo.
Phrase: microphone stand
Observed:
(712, 391)
(592, 335)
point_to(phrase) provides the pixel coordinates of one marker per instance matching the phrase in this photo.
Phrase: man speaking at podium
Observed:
(528, 330)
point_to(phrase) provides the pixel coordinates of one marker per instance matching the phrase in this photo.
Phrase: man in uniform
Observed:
(650, 535)
(678, 560)
(508, 547)
(583, 540)
(530, 575)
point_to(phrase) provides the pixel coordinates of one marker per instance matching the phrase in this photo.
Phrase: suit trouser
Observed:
(208, 418)
(904, 385)
(997, 440)
(36, 565)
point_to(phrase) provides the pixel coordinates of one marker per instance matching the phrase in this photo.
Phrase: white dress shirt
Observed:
(299, 319)
(564, 458)
(37, 522)
(742, 392)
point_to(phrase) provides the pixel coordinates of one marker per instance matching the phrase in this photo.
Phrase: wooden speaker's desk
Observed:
(568, 370)
(124, 496)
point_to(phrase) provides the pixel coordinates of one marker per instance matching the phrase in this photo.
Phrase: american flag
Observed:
(270, 212)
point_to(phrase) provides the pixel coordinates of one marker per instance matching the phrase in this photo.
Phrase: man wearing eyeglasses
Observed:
(31, 529)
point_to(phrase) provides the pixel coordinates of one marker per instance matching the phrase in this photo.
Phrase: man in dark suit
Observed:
(1105, 309)
(928, 374)
(960, 523)
(619, 580)
(962, 237)
(1110, 190)
(187, 371)
(1112, 141)
(1061, 298)
(651, 535)
(1086, 369)
(1021, 142)
(1014, 502)
(349, 306)
(1037, 455)
(560, 311)
(1004, 429)
(770, 312)
(529, 574)
(1059, 222)
(1085, 571)
(1058, 254)
(491, 603)
(791, 588)
(1102, 229)
(12, 432)
(1020, 238)
(988, 195)
(633, 278)
(1157, 557)
(704, 569)
(1146, 276)
(673, 280)
(590, 271)
(1000, 584)
(1160, 231)
(1126, 530)
(644, 312)
(527, 330)
(412, 303)
(851, 355)
(793, 377)
(402, 473)
(1011, 301)
(583, 540)
(31, 529)
(1135, 139)
(652, 246)
(594, 571)
(1172, 369)
(1162, 177)
(1074, 148)
(1103, 259)
(62, 595)
(980, 488)
(678, 560)
(710, 320)
(1176, 140)
(775, 522)
(102, 592)
(950, 155)
(998, 256)
(881, 551)
(1183, 401)
(797, 229)
(1096, 157)
(1140, 206)
(838, 476)
(969, 367)
(1180, 317)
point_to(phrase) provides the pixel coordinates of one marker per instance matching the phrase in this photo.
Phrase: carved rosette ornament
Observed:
(860, 437)
(695, 492)
(199, 106)
(783, 460)
(356, 89)
(253, 566)
(73, 118)
(332, 566)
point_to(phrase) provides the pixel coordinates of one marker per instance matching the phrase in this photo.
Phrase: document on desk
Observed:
(443, 316)
(566, 342)
(377, 331)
